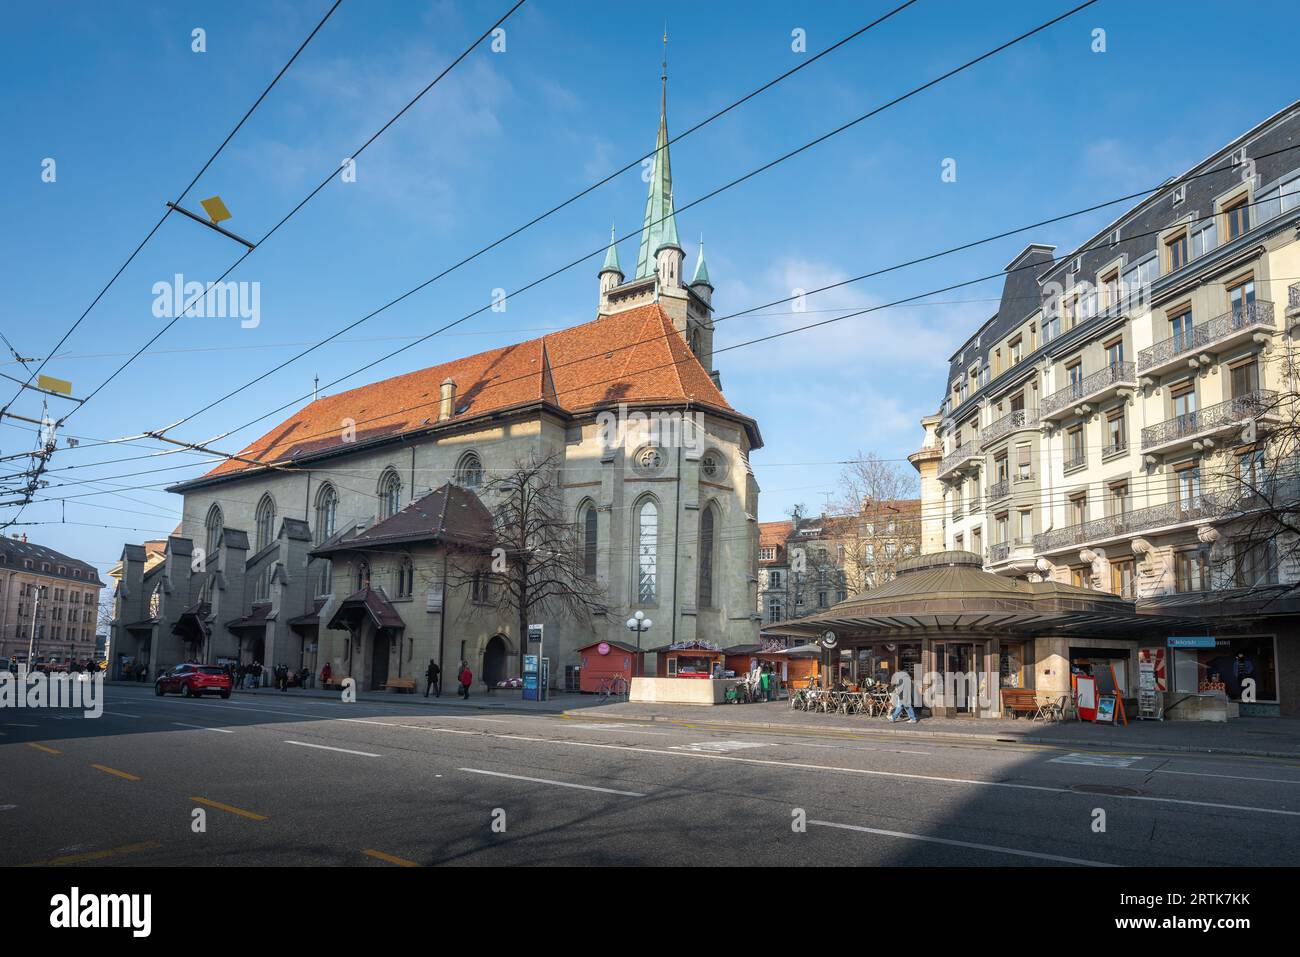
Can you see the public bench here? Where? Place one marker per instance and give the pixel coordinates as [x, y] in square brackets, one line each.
[400, 685]
[1019, 701]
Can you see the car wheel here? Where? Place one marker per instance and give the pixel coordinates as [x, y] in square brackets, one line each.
[189, 691]
[225, 694]
[158, 689]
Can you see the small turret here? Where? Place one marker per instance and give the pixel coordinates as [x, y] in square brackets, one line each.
[611, 274]
[700, 284]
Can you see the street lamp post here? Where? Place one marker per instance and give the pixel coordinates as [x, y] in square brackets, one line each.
[640, 624]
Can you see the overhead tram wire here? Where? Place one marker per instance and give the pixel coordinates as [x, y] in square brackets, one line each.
[707, 196]
[274, 229]
[894, 304]
[556, 208]
[852, 314]
[167, 212]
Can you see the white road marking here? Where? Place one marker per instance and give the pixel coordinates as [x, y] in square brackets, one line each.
[121, 714]
[560, 784]
[718, 747]
[200, 727]
[7, 807]
[620, 726]
[325, 747]
[853, 747]
[979, 847]
[1097, 760]
[15, 724]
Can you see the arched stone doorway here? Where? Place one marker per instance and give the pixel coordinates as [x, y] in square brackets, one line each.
[495, 656]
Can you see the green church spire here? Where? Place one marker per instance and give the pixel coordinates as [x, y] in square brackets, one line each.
[701, 270]
[660, 225]
[611, 256]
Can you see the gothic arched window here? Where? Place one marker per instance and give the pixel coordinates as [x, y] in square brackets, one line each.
[390, 494]
[647, 552]
[588, 529]
[363, 574]
[327, 504]
[469, 471]
[265, 522]
[213, 526]
[406, 579]
[705, 551]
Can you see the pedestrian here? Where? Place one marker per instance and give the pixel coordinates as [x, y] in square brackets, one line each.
[304, 677]
[282, 677]
[901, 691]
[142, 672]
[326, 674]
[466, 678]
[431, 675]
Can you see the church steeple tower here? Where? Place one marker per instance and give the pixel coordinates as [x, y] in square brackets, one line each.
[611, 274]
[660, 251]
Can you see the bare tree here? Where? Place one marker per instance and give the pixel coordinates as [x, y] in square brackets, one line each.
[535, 569]
[878, 519]
[1250, 495]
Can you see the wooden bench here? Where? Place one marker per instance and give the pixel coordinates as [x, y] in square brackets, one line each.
[400, 685]
[1019, 701]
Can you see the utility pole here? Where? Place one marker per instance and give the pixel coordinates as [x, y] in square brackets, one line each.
[31, 642]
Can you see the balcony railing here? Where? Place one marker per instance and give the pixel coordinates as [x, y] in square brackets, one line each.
[1293, 297]
[1257, 313]
[999, 490]
[1209, 419]
[1011, 422]
[1114, 448]
[1076, 461]
[1113, 374]
[999, 552]
[1199, 508]
[958, 455]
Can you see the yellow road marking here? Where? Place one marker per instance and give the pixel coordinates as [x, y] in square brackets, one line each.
[99, 855]
[41, 747]
[391, 859]
[231, 808]
[121, 774]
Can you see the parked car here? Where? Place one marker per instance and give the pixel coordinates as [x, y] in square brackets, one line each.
[193, 681]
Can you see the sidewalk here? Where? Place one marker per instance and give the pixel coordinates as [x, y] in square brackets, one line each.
[498, 700]
[1259, 737]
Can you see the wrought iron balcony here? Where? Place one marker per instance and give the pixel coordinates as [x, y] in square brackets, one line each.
[1076, 461]
[1213, 418]
[1293, 300]
[1011, 422]
[957, 458]
[1096, 386]
[999, 552]
[999, 490]
[1197, 509]
[1219, 331]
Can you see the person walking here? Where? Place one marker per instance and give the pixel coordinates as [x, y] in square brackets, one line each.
[431, 675]
[901, 691]
[466, 679]
[326, 673]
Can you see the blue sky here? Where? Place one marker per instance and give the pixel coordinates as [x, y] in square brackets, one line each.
[115, 95]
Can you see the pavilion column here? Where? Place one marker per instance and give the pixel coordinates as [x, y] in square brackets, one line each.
[1051, 666]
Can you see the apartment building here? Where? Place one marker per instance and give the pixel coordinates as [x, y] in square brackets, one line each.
[1114, 425]
[810, 563]
[48, 601]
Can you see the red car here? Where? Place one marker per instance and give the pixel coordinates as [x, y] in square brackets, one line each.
[193, 681]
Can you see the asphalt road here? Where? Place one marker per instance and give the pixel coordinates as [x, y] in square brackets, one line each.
[310, 781]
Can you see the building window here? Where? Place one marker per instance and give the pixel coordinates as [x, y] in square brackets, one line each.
[647, 561]
[469, 471]
[710, 465]
[406, 579]
[1188, 479]
[363, 574]
[1074, 450]
[327, 503]
[1079, 509]
[767, 554]
[590, 529]
[1204, 238]
[326, 580]
[1025, 535]
[1236, 218]
[1116, 433]
[1081, 577]
[213, 526]
[773, 610]
[649, 459]
[774, 579]
[1176, 250]
[1115, 354]
[265, 522]
[390, 494]
[1117, 499]
[1122, 579]
[705, 547]
[1192, 570]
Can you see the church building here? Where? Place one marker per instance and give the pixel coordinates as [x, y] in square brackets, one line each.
[330, 539]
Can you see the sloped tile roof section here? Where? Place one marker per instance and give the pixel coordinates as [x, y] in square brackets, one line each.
[449, 514]
[17, 553]
[366, 603]
[636, 356]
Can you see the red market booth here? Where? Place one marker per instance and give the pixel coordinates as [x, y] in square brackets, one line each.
[688, 659]
[603, 660]
[788, 666]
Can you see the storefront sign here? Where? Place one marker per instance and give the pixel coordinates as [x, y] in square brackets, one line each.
[1196, 641]
[1086, 689]
[1106, 709]
[602, 648]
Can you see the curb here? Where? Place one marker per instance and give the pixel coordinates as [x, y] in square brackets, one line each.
[1012, 737]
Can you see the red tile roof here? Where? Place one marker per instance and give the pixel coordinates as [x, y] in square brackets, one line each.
[773, 533]
[635, 356]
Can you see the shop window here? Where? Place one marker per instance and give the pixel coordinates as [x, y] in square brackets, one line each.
[1239, 667]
